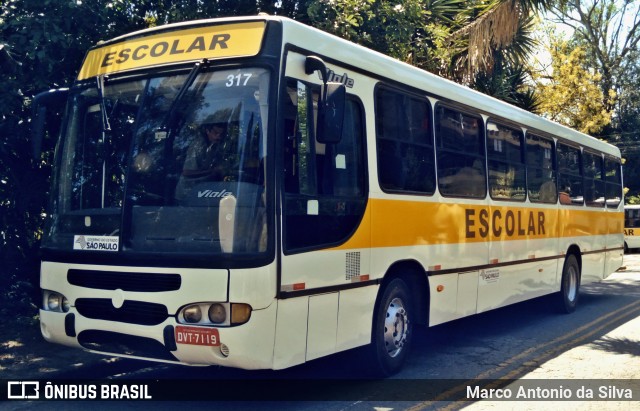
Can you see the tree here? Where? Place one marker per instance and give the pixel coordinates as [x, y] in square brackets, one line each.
[412, 31]
[494, 26]
[435, 36]
[571, 95]
[509, 78]
[46, 39]
[609, 32]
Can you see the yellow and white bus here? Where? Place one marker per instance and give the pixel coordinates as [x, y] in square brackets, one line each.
[352, 197]
[631, 227]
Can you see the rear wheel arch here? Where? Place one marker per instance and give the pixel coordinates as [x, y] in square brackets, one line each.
[400, 305]
[415, 276]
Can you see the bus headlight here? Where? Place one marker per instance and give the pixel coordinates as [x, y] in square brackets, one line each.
[192, 314]
[217, 313]
[53, 301]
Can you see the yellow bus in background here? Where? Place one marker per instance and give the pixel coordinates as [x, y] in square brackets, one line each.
[353, 198]
[631, 227]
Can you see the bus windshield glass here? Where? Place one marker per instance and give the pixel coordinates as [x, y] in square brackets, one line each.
[171, 164]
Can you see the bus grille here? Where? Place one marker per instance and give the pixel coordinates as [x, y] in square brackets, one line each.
[117, 343]
[113, 280]
[132, 312]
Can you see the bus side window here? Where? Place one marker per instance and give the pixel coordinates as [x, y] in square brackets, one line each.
[404, 142]
[460, 153]
[541, 173]
[325, 184]
[593, 179]
[613, 182]
[570, 175]
[506, 162]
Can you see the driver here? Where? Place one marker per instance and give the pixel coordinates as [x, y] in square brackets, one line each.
[206, 155]
[207, 158]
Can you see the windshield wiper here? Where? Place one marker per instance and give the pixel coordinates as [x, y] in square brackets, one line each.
[103, 108]
[106, 130]
[171, 117]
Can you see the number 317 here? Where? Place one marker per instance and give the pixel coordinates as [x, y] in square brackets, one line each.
[238, 80]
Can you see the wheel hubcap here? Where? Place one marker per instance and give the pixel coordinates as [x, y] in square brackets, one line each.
[396, 327]
[572, 284]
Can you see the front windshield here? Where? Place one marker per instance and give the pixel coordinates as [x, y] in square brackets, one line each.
[164, 164]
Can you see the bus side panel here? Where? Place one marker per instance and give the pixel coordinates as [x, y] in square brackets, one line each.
[467, 301]
[256, 286]
[587, 230]
[502, 286]
[323, 325]
[291, 332]
[355, 317]
[453, 296]
[443, 298]
[520, 256]
[615, 241]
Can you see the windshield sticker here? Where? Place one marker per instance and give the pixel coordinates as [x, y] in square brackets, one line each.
[95, 243]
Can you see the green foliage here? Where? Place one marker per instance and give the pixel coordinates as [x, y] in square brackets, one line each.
[47, 38]
[572, 96]
[508, 82]
[632, 199]
[608, 31]
[408, 30]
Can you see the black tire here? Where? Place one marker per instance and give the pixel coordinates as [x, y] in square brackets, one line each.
[392, 330]
[570, 287]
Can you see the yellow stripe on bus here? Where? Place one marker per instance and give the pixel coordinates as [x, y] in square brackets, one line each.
[231, 40]
[393, 223]
[632, 232]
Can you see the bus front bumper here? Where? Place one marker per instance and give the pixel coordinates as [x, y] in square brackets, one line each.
[248, 346]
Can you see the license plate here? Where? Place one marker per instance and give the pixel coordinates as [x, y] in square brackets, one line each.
[197, 336]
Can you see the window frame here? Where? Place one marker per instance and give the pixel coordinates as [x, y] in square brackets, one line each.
[289, 249]
[561, 174]
[482, 156]
[554, 166]
[430, 145]
[607, 181]
[586, 178]
[490, 158]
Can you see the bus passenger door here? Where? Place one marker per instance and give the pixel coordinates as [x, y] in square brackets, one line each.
[325, 233]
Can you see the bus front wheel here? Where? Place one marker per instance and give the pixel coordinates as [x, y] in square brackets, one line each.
[570, 287]
[392, 329]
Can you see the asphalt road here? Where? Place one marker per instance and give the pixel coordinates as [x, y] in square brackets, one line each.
[526, 344]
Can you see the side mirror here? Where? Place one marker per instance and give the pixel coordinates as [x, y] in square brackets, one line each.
[44, 104]
[331, 105]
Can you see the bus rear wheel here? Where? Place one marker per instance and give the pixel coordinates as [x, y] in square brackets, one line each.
[392, 329]
[570, 287]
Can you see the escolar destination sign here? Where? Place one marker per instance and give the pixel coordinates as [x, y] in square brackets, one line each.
[229, 40]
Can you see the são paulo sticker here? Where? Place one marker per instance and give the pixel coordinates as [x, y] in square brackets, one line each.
[95, 243]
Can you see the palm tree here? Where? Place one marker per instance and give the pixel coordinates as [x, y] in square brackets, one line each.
[497, 25]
